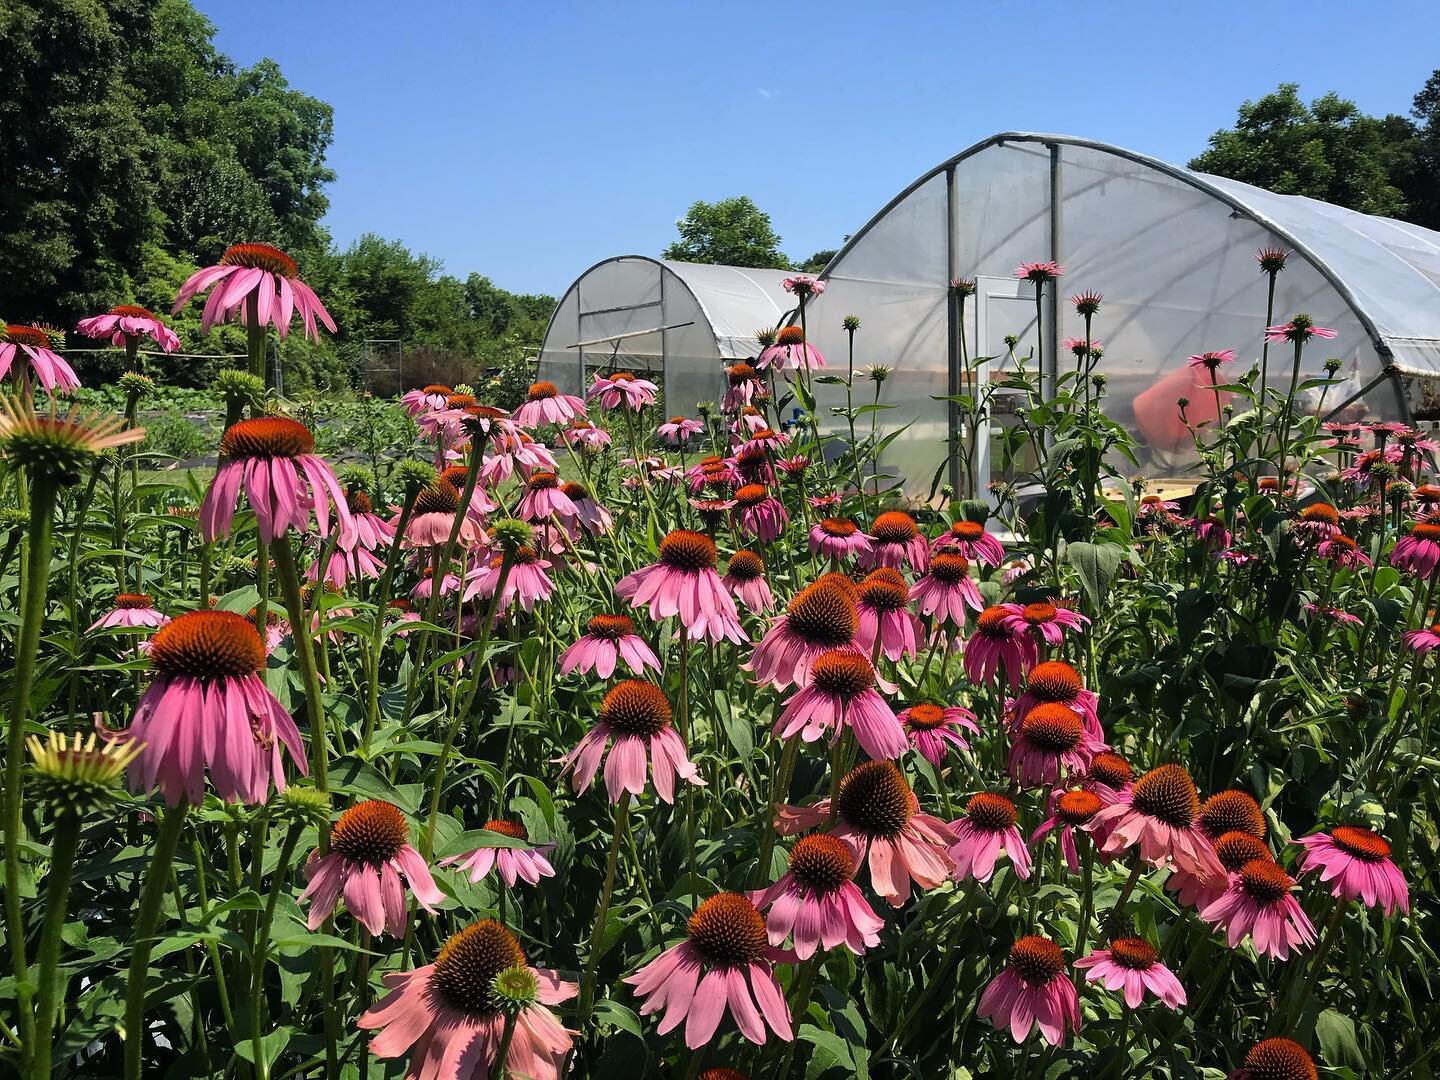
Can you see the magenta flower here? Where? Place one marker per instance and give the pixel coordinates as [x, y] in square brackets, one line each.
[586, 434]
[837, 538]
[1033, 991]
[1158, 813]
[1211, 532]
[1418, 551]
[607, 640]
[527, 864]
[724, 964]
[636, 716]
[370, 852]
[262, 285]
[622, 388]
[678, 429]
[947, 590]
[1069, 810]
[759, 514]
[1423, 640]
[1258, 901]
[841, 692]
[1358, 862]
[207, 710]
[284, 481]
[816, 900]
[934, 731]
[132, 611]
[425, 587]
[1001, 640]
[1342, 552]
[895, 541]
[589, 515]
[986, 829]
[970, 539]
[1039, 273]
[741, 385]
[1299, 329]
[126, 324]
[447, 1012]
[791, 352]
[49, 367]
[1050, 621]
[344, 566]
[525, 581]
[425, 399]
[745, 578]
[883, 610]
[1058, 682]
[820, 617]
[543, 497]
[1051, 741]
[684, 583]
[1211, 361]
[1132, 966]
[544, 404]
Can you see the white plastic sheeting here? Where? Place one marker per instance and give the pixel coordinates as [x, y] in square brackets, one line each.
[680, 322]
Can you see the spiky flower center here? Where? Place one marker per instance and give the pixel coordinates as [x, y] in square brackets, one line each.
[842, 528]
[512, 829]
[823, 613]
[1077, 807]
[1110, 769]
[1038, 613]
[1321, 512]
[469, 962]
[439, 389]
[884, 589]
[723, 1073]
[266, 437]
[1235, 849]
[208, 645]
[894, 527]
[260, 257]
[728, 931]
[637, 708]
[542, 481]
[132, 311]
[610, 627]
[623, 377]
[689, 551]
[575, 492]
[949, 569]
[542, 390]
[745, 566]
[1168, 794]
[133, 601]
[925, 716]
[995, 622]
[968, 531]
[437, 498]
[1037, 960]
[1053, 680]
[1133, 953]
[790, 335]
[370, 832]
[359, 503]
[875, 799]
[1051, 727]
[821, 863]
[739, 373]
[454, 475]
[1264, 881]
[1425, 530]
[751, 456]
[752, 495]
[990, 812]
[843, 673]
[1279, 1059]
[1360, 842]
[1231, 811]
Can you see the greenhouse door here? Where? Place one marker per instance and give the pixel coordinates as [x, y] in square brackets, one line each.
[1004, 306]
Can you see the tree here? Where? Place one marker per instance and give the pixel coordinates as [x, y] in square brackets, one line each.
[732, 232]
[1422, 187]
[817, 262]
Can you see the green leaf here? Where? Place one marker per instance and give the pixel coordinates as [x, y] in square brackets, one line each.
[617, 1015]
[271, 1045]
[1096, 564]
[1336, 1033]
[479, 838]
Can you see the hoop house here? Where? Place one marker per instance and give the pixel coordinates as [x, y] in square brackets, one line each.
[1173, 253]
[681, 321]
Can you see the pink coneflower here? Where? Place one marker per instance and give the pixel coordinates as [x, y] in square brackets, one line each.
[344, 566]
[586, 434]
[1069, 810]
[1032, 991]
[726, 940]
[1158, 814]
[1299, 329]
[607, 640]
[480, 503]
[1050, 621]
[1058, 682]
[1276, 1059]
[741, 385]
[1257, 902]
[1039, 272]
[425, 399]
[1418, 551]
[543, 497]
[752, 465]
[1341, 551]
[820, 617]
[825, 501]
[513, 864]
[1316, 522]
[284, 481]
[425, 587]
[791, 352]
[842, 693]
[883, 610]
[433, 515]
[515, 453]
[1050, 741]
[716, 473]
[947, 589]
[1001, 639]
[588, 515]
[1109, 776]
[816, 900]
[371, 530]
[49, 367]
[1131, 965]
[131, 611]
[207, 710]
[1211, 361]
[1358, 862]
[260, 283]
[765, 442]
[678, 429]
[684, 583]
[622, 388]
[759, 514]
[1234, 849]
[934, 730]
[1080, 348]
[370, 852]
[1013, 570]
[878, 818]
[986, 829]
[1423, 640]
[1271, 259]
[1333, 614]
[895, 541]
[803, 286]
[793, 467]
[544, 404]
[1087, 302]
[1211, 532]
[748, 420]
[526, 580]
[449, 1012]
[970, 539]
[126, 324]
[745, 578]
[636, 716]
[837, 538]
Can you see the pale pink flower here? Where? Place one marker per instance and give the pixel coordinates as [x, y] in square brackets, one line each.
[745, 578]
[544, 404]
[1032, 991]
[817, 901]
[678, 430]
[1358, 862]
[259, 283]
[986, 829]
[586, 434]
[622, 388]
[543, 497]
[837, 538]
[803, 286]
[435, 514]
[947, 590]
[635, 716]
[1132, 966]
[895, 541]
[970, 539]
[820, 617]
[1298, 329]
[425, 399]
[588, 516]
[525, 581]
[126, 324]
[49, 367]
[1069, 810]
[841, 692]
[791, 352]
[934, 730]
[758, 513]
[1258, 901]
[607, 640]
[1158, 813]
[684, 583]
[131, 611]
[1418, 551]
[741, 387]
[1039, 272]
[1001, 640]
[883, 610]
[1211, 361]
[527, 863]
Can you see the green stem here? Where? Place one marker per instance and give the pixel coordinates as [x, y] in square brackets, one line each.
[260, 949]
[146, 919]
[592, 959]
[57, 898]
[289, 579]
[497, 1072]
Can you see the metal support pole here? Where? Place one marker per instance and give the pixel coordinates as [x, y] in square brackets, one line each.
[952, 321]
[1057, 199]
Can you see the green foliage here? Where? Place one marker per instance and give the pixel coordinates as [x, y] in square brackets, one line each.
[731, 232]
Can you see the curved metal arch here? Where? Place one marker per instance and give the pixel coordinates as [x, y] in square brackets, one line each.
[1195, 180]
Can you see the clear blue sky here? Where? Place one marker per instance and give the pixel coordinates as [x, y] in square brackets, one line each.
[527, 140]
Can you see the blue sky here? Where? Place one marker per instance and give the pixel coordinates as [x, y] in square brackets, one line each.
[528, 140]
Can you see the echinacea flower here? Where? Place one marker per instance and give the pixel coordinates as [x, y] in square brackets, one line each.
[262, 284]
[1039, 272]
[803, 286]
[741, 385]
[1069, 810]
[837, 538]
[207, 711]
[1109, 775]
[622, 388]
[1316, 522]
[1050, 621]
[758, 513]
[1418, 551]
[1055, 681]
[588, 435]
[126, 324]
[684, 583]
[724, 964]
[1132, 966]
[450, 1013]
[543, 497]
[588, 514]
[817, 901]
[1277, 1058]
[1258, 901]
[1050, 742]
[934, 730]
[425, 399]
[678, 429]
[1423, 640]
[1342, 552]
[607, 640]
[544, 404]
[947, 590]
[1032, 991]
[714, 472]
[76, 775]
[884, 613]
[1211, 361]
[895, 541]
[1158, 814]
[433, 515]
[752, 465]
[513, 864]
[525, 580]
[1211, 532]
[1299, 329]
[745, 578]
[274, 459]
[49, 367]
[790, 352]
[1001, 640]
[820, 617]
[985, 830]
[1271, 259]
[130, 611]
[841, 693]
[970, 539]
[425, 587]
[1087, 302]
[878, 818]
[369, 855]
[1358, 862]
[634, 721]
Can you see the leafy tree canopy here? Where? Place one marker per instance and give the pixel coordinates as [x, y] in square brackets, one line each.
[731, 232]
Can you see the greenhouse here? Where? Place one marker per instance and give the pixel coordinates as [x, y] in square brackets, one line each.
[679, 322]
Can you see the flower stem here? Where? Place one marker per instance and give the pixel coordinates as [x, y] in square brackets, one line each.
[57, 897]
[289, 580]
[156, 880]
[497, 1071]
[592, 959]
[260, 948]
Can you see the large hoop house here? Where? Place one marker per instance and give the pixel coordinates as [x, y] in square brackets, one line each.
[680, 321]
[1173, 253]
